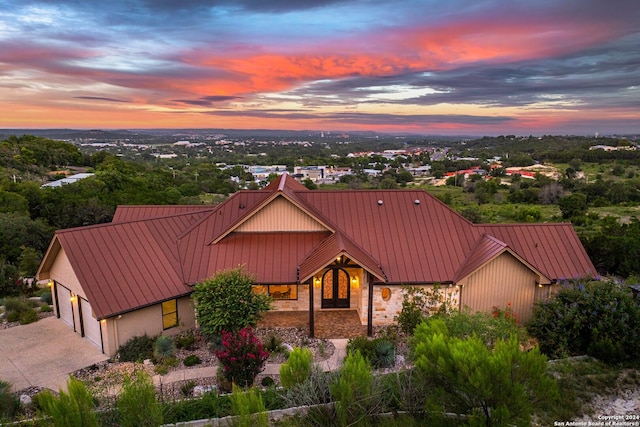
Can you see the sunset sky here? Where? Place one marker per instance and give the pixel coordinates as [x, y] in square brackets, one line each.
[474, 67]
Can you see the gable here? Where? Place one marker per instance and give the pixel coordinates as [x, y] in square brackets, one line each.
[503, 281]
[280, 215]
[553, 249]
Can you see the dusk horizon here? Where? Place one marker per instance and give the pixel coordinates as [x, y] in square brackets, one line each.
[417, 67]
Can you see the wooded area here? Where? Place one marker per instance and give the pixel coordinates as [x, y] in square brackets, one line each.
[599, 191]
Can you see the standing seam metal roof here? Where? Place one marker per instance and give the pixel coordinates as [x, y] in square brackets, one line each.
[400, 236]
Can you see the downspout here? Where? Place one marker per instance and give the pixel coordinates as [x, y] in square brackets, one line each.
[311, 316]
[370, 306]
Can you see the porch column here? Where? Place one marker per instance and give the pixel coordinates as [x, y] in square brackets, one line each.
[370, 305]
[311, 323]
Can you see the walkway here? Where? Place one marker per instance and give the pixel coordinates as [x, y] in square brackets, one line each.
[329, 364]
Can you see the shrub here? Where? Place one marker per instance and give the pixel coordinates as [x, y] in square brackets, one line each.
[297, 367]
[9, 403]
[315, 390]
[28, 316]
[45, 309]
[191, 360]
[242, 356]
[16, 304]
[352, 389]
[185, 340]
[226, 302]
[418, 304]
[408, 391]
[493, 386]
[379, 352]
[385, 353]
[163, 348]
[598, 318]
[46, 298]
[136, 349]
[187, 388]
[137, 404]
[210, 405]
[12, 316]
[161, 369]
[249, 408]
[267, 382]
[488, 327]
[273, 344]
[72, 408]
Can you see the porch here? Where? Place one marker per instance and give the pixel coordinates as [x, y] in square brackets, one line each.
[328, 323]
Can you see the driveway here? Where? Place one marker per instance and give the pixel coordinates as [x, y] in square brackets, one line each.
[43, 354]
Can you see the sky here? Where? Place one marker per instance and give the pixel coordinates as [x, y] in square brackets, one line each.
[456, 67]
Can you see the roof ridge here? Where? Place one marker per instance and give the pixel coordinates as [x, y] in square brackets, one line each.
[527, 224]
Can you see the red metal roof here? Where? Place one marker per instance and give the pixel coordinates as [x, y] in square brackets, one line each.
[554, 249]
[136, 212]
[414, 236]
[400, 236]
[333, 246]
[486, 248]
[123, 266]
[271, 257]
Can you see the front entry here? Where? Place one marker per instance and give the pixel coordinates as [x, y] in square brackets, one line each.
[335, 288]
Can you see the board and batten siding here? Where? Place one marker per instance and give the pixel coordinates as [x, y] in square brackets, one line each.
[504, 280]
[280, 215]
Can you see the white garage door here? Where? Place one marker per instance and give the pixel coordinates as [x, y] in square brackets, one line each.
[65, 309]
[90, 325]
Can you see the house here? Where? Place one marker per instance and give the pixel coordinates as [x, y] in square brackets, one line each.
[310, 250]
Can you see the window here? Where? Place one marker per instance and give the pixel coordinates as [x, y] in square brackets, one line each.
[169, 314]
[277, 292]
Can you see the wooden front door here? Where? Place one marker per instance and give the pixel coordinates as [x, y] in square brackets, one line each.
[335, 289]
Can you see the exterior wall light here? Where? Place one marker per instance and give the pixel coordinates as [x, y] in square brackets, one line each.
[72, 298]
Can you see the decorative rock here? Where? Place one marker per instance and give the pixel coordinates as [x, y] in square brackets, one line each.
[147, 362]
[199, 390]
[287, 347]
[25, 400]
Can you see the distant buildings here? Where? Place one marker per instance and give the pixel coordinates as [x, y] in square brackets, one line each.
[68, 180]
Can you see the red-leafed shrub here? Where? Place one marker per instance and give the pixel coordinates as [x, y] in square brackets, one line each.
[242, 356]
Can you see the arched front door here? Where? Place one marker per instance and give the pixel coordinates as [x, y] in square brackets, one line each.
[335, 288]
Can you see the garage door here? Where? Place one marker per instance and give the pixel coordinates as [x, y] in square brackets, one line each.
[90, 326]
[65, 309]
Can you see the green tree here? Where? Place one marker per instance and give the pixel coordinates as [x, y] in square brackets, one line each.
[310, 184]
[496, 386]
[137, 404]
[438, 169]
[297, 368]
[226, 302]
[74, 408]
[352, 390]
[599, 318]
[574, 205]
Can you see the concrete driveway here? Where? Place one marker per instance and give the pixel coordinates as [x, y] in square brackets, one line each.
[43, 354]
